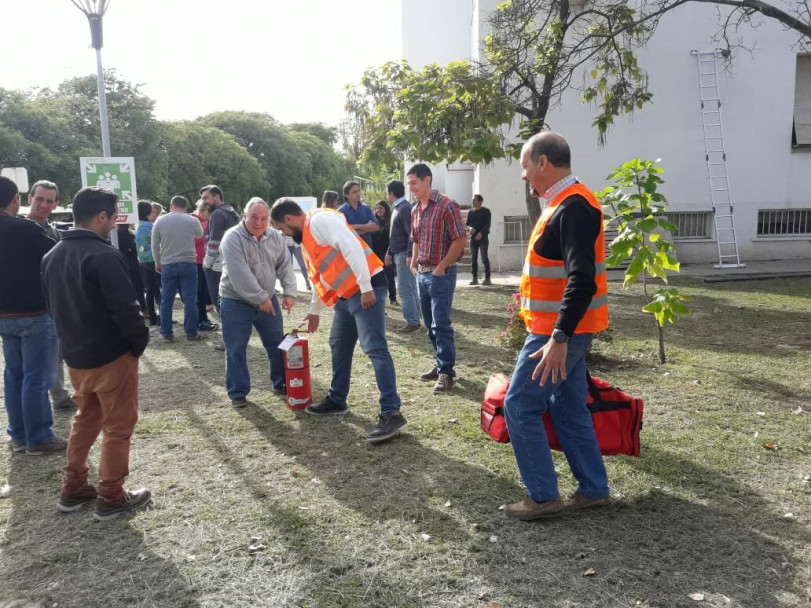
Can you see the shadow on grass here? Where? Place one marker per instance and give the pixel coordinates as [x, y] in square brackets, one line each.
[656, 548]
[68, 559]
[716, 325]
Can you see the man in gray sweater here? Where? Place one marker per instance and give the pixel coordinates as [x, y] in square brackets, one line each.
[176, 261]
[254, 257]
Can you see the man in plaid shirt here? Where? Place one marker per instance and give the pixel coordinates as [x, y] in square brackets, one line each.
[438, 234]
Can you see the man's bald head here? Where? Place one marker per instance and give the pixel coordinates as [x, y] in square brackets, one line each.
[553, 146]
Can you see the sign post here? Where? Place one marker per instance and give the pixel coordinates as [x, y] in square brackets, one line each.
[118, 175]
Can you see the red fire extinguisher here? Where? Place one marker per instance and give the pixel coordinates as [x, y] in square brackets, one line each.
[297, 373]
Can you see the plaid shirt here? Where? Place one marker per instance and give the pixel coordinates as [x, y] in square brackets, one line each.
[435, 227]
[559, 186]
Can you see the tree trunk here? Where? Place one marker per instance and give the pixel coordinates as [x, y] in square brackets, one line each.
[661, 343]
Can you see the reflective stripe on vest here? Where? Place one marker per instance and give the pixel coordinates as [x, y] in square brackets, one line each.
[330, 274]
[543, 281]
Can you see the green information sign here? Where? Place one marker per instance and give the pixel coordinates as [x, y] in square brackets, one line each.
[116, 174]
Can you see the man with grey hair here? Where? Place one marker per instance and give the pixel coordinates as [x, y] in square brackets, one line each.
[42, 200]
[563, 304]
[176, 261]
[254, 257]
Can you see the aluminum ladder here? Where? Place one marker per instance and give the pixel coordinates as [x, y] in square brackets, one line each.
[716, 158]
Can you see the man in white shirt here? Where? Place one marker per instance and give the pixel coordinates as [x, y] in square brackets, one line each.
[346, 274]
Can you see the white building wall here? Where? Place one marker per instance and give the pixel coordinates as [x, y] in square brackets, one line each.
[757, 94]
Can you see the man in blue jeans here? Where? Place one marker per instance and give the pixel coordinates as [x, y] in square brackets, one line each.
[439, 238]
[346, 274]
[563, 304]
[176, 261]
[254, 257]
[400, 255]
[30, 345]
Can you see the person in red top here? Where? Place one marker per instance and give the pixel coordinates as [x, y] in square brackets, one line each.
[202, 214]
[439, 237]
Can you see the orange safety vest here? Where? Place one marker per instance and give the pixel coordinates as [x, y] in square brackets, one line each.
[543, 281]
[330, 274]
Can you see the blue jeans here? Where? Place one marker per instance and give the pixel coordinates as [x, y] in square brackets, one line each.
[407, 286]
[436, 299]
[238, 319]
[179, 276]
[350, 323]
[30, 349]
[524, 404]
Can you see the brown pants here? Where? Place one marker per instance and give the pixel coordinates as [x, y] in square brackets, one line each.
[108, 401]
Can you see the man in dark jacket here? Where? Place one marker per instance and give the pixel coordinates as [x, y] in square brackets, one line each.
[29, 336]
[42, 200]
[223, 217]
[103, 334]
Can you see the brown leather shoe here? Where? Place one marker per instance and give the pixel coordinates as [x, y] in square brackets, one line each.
[407, 329]
[527, 509]
[431, 374]
[70, 502]
[108, 509]
[577, 502]
[444, 383]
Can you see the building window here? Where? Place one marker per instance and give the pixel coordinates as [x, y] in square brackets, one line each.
[691, 224]
[784, 222]
[516, 229]
[801, 133]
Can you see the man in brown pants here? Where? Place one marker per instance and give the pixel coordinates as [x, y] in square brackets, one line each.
[103, 334]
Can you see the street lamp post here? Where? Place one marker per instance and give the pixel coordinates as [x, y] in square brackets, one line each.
[94, 11]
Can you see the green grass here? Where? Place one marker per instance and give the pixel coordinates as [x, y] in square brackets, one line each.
[416, 521]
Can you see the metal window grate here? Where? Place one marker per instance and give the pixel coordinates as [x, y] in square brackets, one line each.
[516, 228]
[691, 224]
[783, 222]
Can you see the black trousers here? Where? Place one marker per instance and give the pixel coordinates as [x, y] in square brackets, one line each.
[475, 248]
[152, 283]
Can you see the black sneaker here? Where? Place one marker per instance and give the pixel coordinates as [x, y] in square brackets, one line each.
[169, 338]
[239, 402]
[68, 503]
[65, 404]
[194, 337]
[388, 426]
[327, 407]
[108, 509]
[208, 326]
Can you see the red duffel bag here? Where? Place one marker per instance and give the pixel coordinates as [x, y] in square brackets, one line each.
[617, 416]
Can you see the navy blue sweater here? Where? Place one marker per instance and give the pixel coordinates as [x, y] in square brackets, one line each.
[22, 246]
[92, 300]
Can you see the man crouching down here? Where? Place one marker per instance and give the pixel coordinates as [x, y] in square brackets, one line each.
[346, 274]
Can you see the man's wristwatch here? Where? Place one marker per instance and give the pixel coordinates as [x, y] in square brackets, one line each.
[559, 336]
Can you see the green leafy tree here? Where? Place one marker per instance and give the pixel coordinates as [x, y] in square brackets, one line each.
[133, 128]
[196, 155]
[436, 114]
[637, 209]
[297, 163]
[329, 135]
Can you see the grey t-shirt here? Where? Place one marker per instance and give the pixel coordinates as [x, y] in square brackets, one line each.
[173, 238]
